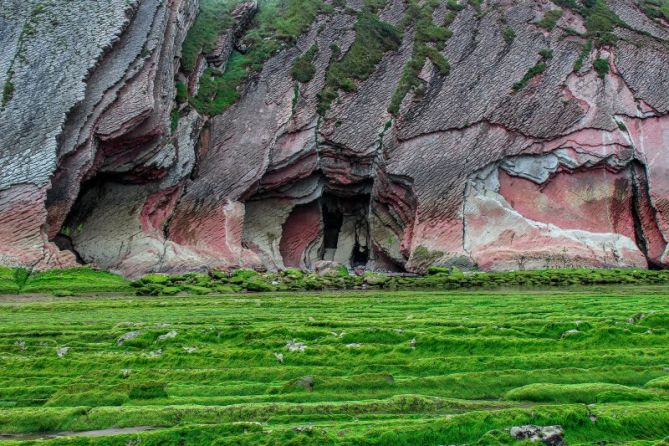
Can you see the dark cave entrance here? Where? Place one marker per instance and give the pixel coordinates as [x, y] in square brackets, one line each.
[345, 228]
[334, 225]
[360, 255]
[84, 204]
[70, 218]
[332, 221]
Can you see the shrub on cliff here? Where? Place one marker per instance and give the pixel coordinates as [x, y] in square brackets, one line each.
[550, 19]
[212, 20]
[303, 69]
[656, 9]
[601, 66]
[509, 34]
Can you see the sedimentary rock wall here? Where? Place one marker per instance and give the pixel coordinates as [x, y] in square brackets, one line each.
[88, 88]
[530, 136]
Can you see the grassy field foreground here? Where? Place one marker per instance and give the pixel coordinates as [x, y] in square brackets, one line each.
[374, 368]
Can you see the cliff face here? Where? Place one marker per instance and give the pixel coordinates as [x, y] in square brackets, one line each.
[500, 134]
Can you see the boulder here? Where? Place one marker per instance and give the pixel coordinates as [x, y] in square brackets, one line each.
[548, 435]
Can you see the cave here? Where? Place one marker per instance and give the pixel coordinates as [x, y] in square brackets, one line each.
[333, 227]
[70, 223]
[345, 229]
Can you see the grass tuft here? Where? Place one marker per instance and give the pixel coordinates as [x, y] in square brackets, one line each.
[303, 69]
[550, 19]
[601, 66]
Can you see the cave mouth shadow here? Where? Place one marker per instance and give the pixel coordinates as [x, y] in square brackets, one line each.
[345, 228]
[88, 196]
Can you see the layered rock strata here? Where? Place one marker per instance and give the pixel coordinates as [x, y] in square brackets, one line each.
[568, 169]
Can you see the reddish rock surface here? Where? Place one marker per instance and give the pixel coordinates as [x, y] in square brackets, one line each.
[300, 231]
[595, 200]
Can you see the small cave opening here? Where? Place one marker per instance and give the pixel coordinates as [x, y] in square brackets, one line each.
[87, 199]
[345, 228]
[286, 230]
[360, 255]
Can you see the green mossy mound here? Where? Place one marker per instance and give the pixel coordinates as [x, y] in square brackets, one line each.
[587, 393]
[440, 278]
[62, 282]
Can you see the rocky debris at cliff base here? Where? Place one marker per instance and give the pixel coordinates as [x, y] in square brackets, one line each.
[245, 280]
[323, 267]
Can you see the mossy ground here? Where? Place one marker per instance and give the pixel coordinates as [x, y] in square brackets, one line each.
[377, 368]
[60, 282]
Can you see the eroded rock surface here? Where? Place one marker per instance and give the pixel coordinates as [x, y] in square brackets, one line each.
[570, 169]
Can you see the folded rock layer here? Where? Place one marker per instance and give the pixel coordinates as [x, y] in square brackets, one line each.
[496, 140]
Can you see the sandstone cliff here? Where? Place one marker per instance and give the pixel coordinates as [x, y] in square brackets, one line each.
[393, 134]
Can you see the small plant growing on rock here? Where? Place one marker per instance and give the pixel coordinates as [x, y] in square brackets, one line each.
[550, 19]
[601, 66]
[585, 51]
[546, 53]
[303, 69]
[7, 92]
[454, 5]
[536, 70]
[509, 34]
[182, 92]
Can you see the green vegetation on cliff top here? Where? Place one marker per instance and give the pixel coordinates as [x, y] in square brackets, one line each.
[373, 37]
[279, 23]
[213, 19]
[600, 20]
[375, 368]
[550, 19]
[657, 9]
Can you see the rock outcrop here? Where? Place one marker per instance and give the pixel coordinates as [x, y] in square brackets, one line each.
[519, 143]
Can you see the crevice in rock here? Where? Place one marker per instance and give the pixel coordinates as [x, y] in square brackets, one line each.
[648, 236]
[64, 243]
[332, 222]
[201, 148]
